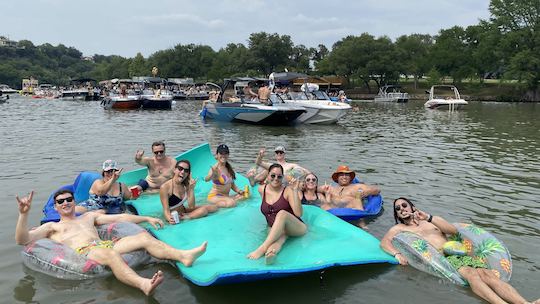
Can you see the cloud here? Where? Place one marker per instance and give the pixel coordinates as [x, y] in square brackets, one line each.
[181, 20]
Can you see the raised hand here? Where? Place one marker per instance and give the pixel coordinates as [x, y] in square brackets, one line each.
[25, 202]
[325, 188]
[295, 184]
[192, 183]
[421, 215]
[251, 173]
[260, 156]
[117, 173]
[139, 154]
[215, 172]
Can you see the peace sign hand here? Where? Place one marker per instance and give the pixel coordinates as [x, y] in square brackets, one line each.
[215, 172]
[117, 173]
[192, 183]
[260, 156]
[295, 184]
[25, 202]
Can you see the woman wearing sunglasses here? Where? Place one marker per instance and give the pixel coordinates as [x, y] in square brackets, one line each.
[222, 176]
[176, 191]
[106, 195]
[312, 194]
[282, 209]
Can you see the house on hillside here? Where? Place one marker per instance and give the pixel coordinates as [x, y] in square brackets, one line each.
[5, 42]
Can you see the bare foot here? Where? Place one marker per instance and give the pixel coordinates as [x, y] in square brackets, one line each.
[256, 254]
[189, 256]
[149, 285]
[270, 257]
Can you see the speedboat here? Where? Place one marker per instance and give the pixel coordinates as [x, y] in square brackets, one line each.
[5, 89]
[445, 97]
[159, 100]
[252, 113]
[320, 109]
[391, 93]
[121, 102]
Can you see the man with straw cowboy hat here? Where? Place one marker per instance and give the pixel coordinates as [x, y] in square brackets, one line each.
[348, 195]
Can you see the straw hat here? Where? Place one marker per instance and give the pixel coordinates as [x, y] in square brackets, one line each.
[343, 169]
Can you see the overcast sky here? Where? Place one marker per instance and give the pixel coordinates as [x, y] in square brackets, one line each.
[120, 27]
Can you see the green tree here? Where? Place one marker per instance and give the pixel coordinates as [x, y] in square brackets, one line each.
[138, 66]
[519, 24]
[413, 53]
[451, 54]
[269, 52]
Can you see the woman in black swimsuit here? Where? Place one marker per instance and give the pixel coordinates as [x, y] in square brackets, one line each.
[312, 194]
[282, 209]
[181, 188]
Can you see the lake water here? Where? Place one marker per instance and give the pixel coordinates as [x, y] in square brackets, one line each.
[478, 165]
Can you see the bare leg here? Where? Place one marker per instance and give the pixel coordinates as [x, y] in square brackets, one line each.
[503, 289]
[285, 224]
[479, 287]
[273, 250]
[158, 249]
[223, 201]
[123, 272]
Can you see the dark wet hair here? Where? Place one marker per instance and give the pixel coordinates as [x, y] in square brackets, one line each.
[275, 166]
[62, 191]
[188, 178]
[157, 144]
[396, 218]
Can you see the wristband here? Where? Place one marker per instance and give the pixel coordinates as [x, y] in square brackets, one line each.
[430, 218]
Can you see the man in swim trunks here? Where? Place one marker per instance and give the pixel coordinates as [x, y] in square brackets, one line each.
[80, 234]
[348, 195]
[264, 95]
[291, 170]
[434, 229]
[160, 167]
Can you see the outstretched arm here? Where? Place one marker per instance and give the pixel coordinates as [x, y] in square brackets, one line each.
[22, 235]
[101, 219]
[294, 197]
[139, 159]
[386, 245]
[368, 190]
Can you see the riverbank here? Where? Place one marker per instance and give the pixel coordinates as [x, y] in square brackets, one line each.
[489, 90]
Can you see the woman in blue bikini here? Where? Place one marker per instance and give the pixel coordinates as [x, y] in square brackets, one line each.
[176, 191]
[222, 176]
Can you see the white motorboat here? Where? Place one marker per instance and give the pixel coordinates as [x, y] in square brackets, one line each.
[5, 89]
[445, 97]
[319, 108]
[391, 93]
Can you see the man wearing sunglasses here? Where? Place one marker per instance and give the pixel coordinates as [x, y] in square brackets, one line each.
[434, 229]
[80, 234]
[160, 167]
[291, 170]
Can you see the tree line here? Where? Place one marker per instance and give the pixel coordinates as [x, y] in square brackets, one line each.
[507, 46]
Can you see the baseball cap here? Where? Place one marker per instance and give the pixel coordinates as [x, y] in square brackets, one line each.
[279, 148]
[222, 149]
[109, 165]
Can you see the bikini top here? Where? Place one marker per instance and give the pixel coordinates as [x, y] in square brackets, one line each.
[223, 179]
[175, 201]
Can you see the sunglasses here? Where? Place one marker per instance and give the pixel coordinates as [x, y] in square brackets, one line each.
[403, 205]
[180, 168]
[110, 171]
[60, 201]
[311, 180]
[280, 152]
[159, 152]
[274, 176]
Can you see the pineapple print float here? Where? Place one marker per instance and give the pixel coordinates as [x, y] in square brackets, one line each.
[422, 247]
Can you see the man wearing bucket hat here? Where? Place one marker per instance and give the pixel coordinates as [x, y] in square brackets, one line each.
[348, 195]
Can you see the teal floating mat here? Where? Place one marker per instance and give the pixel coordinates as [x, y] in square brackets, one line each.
[235, 232]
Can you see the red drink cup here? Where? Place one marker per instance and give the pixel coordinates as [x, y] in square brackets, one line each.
[135, 192]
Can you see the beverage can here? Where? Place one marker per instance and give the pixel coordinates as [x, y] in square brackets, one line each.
[175, 216]
[246, 191]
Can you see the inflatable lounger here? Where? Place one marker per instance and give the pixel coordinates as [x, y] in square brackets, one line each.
[372, 207]
[478, 243]
[60, 261]
[80, 188]
[235, 232]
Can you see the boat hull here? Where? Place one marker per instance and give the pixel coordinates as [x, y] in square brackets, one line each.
[156, 103]
[252, 114]
[129, 103]
[321, 112]
[445, 104]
